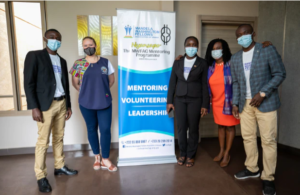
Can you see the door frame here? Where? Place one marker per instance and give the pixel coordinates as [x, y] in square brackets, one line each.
[208, 19]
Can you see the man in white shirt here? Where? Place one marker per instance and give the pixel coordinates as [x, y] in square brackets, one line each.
[257, 73]
[46, 86]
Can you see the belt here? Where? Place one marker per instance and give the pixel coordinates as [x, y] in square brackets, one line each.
[59, 98]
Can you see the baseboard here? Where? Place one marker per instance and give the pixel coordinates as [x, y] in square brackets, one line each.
[67, 148]
[115, 145]
[288, 149]
[284, 148]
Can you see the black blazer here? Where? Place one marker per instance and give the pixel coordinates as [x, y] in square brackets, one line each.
[39, 80]
[194, 86]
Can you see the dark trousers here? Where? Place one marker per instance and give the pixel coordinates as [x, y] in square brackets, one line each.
[93, 118]
[187, 111]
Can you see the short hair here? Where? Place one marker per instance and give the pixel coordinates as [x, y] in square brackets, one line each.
[226, 51]
[52, 29]
[246, 25]
[91, 38]
[192, 37]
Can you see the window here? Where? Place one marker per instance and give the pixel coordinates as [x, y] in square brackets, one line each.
[21, 30]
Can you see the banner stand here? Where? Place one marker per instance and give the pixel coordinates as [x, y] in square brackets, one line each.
[146, 53]
[147, 160]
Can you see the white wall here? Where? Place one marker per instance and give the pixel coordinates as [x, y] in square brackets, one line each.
[17, 132]
[187, 12]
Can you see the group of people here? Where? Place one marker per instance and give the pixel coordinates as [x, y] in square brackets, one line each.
[243, 88]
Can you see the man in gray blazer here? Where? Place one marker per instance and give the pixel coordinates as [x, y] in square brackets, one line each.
[257, 73]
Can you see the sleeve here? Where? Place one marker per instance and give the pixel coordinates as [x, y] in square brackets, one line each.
[67, 86]
[30, 75]
[277, 71]
[111, 69]
[74, 71]
[172, 85]
[205, 94]
[235, 84]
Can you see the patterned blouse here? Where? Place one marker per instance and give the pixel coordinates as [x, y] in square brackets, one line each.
[78, 69]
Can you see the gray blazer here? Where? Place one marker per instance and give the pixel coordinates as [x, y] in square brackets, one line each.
[266, 74]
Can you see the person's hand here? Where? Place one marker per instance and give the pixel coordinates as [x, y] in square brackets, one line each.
[256, 100]
[178, 57]
[68, 114]
[235, 112]
[169, 107]
[37, 115]
[266, 44]
[203, 112]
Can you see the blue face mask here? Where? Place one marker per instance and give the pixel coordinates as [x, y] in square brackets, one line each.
[53, 44]
[217, 54]
[191, 51]
[245, 40]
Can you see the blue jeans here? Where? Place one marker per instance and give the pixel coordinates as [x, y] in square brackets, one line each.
[93, 118]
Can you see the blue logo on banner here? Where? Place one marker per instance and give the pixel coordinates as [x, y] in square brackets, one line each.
[128, 31]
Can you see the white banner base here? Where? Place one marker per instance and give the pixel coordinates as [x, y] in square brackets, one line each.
[147, 160]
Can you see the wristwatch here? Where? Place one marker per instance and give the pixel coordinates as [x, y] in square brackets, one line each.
[262, 94]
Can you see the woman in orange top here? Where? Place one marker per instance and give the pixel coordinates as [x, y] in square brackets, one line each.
[220, 87]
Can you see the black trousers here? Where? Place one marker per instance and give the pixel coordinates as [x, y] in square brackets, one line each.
[188, 114]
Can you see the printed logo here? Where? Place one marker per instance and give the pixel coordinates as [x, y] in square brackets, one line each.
[104, 70]
[56, 69]
[247, 66]
[128, 31]
[165, 34]
[187, 69]
[107, 95]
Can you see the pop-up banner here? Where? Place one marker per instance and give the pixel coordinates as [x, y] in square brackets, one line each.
[146, 52]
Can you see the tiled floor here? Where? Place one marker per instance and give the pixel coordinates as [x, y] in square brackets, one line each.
[205, 178]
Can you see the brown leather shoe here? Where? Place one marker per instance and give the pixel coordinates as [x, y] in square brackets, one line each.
[224, 164]
[219, 158]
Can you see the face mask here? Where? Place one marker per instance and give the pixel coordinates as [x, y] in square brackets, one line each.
[217, 54]
[191, 51]
[245, 40]
[90, 51]
[53, 44]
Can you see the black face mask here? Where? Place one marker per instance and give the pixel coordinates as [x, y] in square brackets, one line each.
[90, 51]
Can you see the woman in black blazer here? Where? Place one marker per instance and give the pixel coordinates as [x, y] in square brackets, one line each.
[189, 84]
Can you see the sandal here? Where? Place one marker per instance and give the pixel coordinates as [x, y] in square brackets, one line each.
[97, 164]
[190, 162]
[181, 160]
[108, 166]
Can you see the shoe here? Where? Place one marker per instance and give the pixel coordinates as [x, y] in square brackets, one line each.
[65, 170]
[246, 174]
[97, 164]
[219, 158]
[224, 164]
[269, 188]
[107, 165]
[44, 185]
